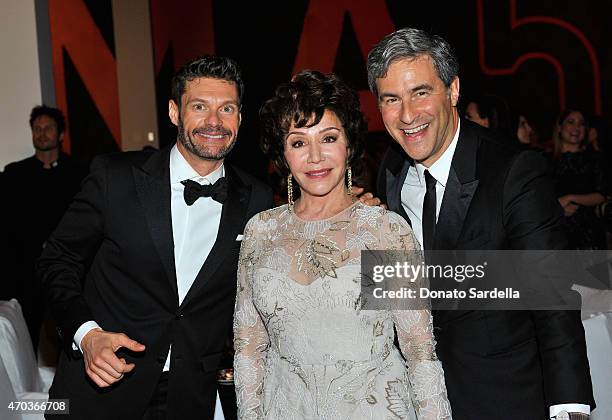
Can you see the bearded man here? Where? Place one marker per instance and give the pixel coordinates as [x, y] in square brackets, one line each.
[141, 272]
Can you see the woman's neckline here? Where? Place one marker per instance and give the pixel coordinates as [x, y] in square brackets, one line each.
[355, 203]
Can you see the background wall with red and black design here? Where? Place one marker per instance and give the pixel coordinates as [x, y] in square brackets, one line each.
[85, 75]
[540, 55]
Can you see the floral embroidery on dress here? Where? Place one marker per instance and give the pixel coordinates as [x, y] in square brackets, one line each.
[316, 257]
[395, 394]
[369, 216]
[304, 347]
[360, 240]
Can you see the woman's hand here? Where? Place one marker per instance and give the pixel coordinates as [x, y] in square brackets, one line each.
[566, 200]
[570, 209]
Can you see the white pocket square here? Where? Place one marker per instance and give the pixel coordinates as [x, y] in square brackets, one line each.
[239, 237]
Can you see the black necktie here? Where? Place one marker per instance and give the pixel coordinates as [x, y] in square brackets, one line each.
[429, 212]
[193, 191]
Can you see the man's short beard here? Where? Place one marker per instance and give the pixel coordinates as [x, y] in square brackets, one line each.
[46, 148]
[200, 151]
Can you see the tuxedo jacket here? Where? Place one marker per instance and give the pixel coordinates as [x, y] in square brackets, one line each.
[499, 364]
[111, 260]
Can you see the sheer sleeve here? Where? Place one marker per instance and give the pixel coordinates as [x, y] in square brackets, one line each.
[415, 335]
[250, 335]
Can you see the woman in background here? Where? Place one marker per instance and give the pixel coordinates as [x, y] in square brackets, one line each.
[580, 181]
[525, 134]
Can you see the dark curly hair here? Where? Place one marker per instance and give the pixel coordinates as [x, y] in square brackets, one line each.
[303, 102]
[215, 67]
[53, 113]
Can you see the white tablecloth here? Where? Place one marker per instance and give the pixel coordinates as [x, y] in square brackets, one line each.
[598, 330]
[597, 321]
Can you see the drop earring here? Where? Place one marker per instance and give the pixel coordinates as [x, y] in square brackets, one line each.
[290, 190]
[349, 180]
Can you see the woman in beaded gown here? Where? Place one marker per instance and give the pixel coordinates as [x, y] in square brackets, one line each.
[304, 348]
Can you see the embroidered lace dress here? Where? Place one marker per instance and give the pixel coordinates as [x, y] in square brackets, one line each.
[304, 348]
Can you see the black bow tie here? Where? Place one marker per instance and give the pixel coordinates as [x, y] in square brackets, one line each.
[193, 191]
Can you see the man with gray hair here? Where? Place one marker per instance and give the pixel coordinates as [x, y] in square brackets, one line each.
[462, 189]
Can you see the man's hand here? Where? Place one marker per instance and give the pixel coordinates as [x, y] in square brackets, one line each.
[367, 198]
[101, 363]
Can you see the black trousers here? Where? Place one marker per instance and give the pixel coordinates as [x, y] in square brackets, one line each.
[158, 407]
[159, 403]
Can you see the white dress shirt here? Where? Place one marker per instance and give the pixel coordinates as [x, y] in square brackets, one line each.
[194, 231]
[414, 188]
[412, 196]
[195, 227]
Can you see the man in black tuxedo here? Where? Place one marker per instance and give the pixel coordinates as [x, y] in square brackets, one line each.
[461, 189]
[37, 191]
[141, 271]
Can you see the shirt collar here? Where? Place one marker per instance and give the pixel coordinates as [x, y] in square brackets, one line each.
[441, 167]
[53, 164]
[181, 170]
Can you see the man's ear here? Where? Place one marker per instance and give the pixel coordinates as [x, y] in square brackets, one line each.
[61, 137]
[239, 118]
[173, 112]
[454, 91]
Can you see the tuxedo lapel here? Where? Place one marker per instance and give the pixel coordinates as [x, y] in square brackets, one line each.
[152, 182]
[460, 188]
[395, 175]
[232, 221]
[455, 204]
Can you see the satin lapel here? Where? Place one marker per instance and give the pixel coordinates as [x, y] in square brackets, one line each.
[394, 191]
[232, 220]
[395, 177]
[153, 189]
[455, 204]
[459, 191]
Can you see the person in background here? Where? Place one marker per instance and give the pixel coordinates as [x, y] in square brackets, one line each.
[599, 140]
[493, 112]
[37, 191]
[525, 134]
[580, 182]
[490, 111]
